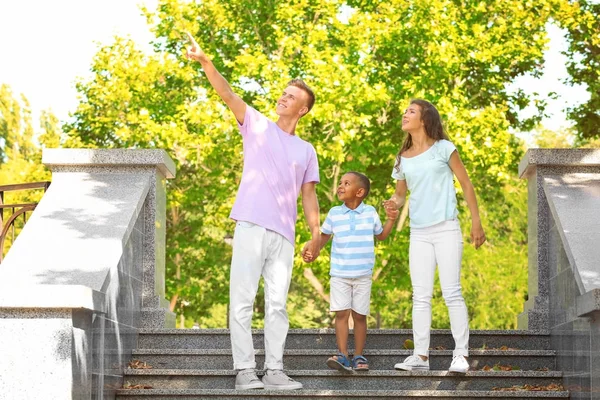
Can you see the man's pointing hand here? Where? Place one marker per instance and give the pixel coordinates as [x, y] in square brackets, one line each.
[194, 52]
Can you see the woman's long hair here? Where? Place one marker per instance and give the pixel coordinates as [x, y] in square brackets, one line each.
[433, 127]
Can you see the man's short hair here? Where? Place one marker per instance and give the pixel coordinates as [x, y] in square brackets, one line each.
[299, 83]
[363, 182]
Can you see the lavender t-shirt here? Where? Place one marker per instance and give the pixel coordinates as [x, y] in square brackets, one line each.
[276, 164]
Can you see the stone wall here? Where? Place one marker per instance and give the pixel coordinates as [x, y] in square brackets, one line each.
[84, 275]
[564, 260]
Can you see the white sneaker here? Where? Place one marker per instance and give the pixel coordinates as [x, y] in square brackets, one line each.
[276, 379]
[247, 379]
[459, 365]
[413, 363]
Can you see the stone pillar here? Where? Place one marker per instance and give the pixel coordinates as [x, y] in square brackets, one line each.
[158, 166]
[84, 275]
[542, 168]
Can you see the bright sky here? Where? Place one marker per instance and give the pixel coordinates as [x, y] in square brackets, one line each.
[555, 73]
[45, 45]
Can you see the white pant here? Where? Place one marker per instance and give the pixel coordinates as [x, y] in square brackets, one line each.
[258, 251]
[440, 245]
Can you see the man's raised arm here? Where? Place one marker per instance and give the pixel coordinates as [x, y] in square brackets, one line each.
[233, 101]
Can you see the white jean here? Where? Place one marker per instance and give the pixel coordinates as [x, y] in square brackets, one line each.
[441, 245]
[258, 252]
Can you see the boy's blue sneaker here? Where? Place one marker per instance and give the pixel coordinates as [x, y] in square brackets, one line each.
[339, 362]
[413, 363]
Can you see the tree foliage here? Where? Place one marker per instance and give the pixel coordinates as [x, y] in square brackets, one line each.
[21, 150]
[365, 60]
[21, 143]
[581, 19]
[16, 131]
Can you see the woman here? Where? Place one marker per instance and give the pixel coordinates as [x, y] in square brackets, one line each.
[426, 165]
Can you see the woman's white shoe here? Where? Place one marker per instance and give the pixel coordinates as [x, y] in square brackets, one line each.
[459, 365]
[413, 363]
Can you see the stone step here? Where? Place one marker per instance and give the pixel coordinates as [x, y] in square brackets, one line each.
[334, 380]
[230, 394]
[325, 339]
[300, 359]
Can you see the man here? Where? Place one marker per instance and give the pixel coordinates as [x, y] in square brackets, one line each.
[277, 167]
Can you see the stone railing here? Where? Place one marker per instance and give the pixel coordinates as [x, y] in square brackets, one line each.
[85, 273]
[564, 259]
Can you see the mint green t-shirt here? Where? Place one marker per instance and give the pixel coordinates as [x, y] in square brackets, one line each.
[431, 184]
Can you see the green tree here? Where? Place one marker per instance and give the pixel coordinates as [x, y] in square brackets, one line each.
[594, 144]
[16, 132]
[20, 144]
[138, 100]
[365, 60]
[548, 139]
[21, 149]
[580, 18]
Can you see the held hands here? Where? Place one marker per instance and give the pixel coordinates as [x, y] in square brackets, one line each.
[311, 251]
[194, 52]
[477, 234]
[392, 214]
[390, 205]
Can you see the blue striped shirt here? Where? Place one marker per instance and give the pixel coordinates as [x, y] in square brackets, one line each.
[353, 248]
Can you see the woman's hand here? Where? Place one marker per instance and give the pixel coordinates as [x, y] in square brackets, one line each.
[477, 234]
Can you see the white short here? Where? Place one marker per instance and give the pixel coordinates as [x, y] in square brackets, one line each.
[351, 293]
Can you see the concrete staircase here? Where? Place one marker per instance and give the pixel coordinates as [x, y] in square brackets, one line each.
[196, 364]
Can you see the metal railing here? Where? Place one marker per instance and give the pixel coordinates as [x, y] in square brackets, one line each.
[15, 210]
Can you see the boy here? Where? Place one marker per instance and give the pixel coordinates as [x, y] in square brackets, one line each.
[353, 226]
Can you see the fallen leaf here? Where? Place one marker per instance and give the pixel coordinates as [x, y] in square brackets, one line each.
[553, 387]
[128, 385]
[505, 348]
[499, 367]
[137, 364]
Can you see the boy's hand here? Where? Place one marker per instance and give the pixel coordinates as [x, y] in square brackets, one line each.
[307, 255]
[194, 52]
